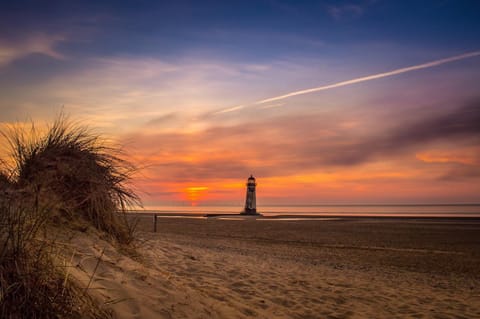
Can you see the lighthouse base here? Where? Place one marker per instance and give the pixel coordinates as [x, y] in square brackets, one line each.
[250, 211]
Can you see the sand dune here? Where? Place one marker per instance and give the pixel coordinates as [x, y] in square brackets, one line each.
[310, 269]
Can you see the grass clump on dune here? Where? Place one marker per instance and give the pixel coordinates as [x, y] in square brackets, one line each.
[62, 178]
[73, 166]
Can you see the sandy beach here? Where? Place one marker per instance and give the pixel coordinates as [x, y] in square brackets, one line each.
[339, 268]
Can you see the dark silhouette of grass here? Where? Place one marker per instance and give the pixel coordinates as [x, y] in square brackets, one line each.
[64, 177]
[4, 181]
[75, 167]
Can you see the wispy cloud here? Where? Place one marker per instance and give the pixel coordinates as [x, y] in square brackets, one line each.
[460, 124]
[163, 119]
[301, 144]
[338, 12]
[140, 90]
[319, 151]
[39, 43]
[350, 9]
[359, 80]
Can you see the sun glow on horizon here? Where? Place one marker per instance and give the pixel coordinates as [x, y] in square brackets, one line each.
[194, 194]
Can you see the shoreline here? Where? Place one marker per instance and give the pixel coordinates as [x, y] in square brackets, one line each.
[319, 216]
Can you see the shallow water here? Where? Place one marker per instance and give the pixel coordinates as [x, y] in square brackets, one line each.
[334, 210]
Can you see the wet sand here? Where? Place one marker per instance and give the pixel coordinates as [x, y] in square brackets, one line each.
[339, 268]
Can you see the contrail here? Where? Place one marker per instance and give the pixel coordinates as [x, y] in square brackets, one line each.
[362, 79]
[231, 109]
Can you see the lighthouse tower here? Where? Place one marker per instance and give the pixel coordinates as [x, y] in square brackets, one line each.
[251, 200]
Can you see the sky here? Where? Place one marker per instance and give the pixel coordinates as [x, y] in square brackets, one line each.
[324, 102]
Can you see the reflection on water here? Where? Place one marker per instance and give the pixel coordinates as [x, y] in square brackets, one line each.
[181, 216]
[295, 218]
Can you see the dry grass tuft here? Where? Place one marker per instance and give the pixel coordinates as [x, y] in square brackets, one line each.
[29, 285]
[67, 175]
[74, 166]
[4, 181]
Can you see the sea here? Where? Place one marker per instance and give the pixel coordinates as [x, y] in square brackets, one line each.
[451, 210]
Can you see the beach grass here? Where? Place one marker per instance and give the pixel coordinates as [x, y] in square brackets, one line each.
[63, 178]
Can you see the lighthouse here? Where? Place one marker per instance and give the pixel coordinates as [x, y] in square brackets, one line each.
[251, 200]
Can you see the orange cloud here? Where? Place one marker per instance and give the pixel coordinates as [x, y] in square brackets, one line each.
[296, 161]
[468, 156]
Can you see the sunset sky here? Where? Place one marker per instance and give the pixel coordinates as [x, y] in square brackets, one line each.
[204, 93]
